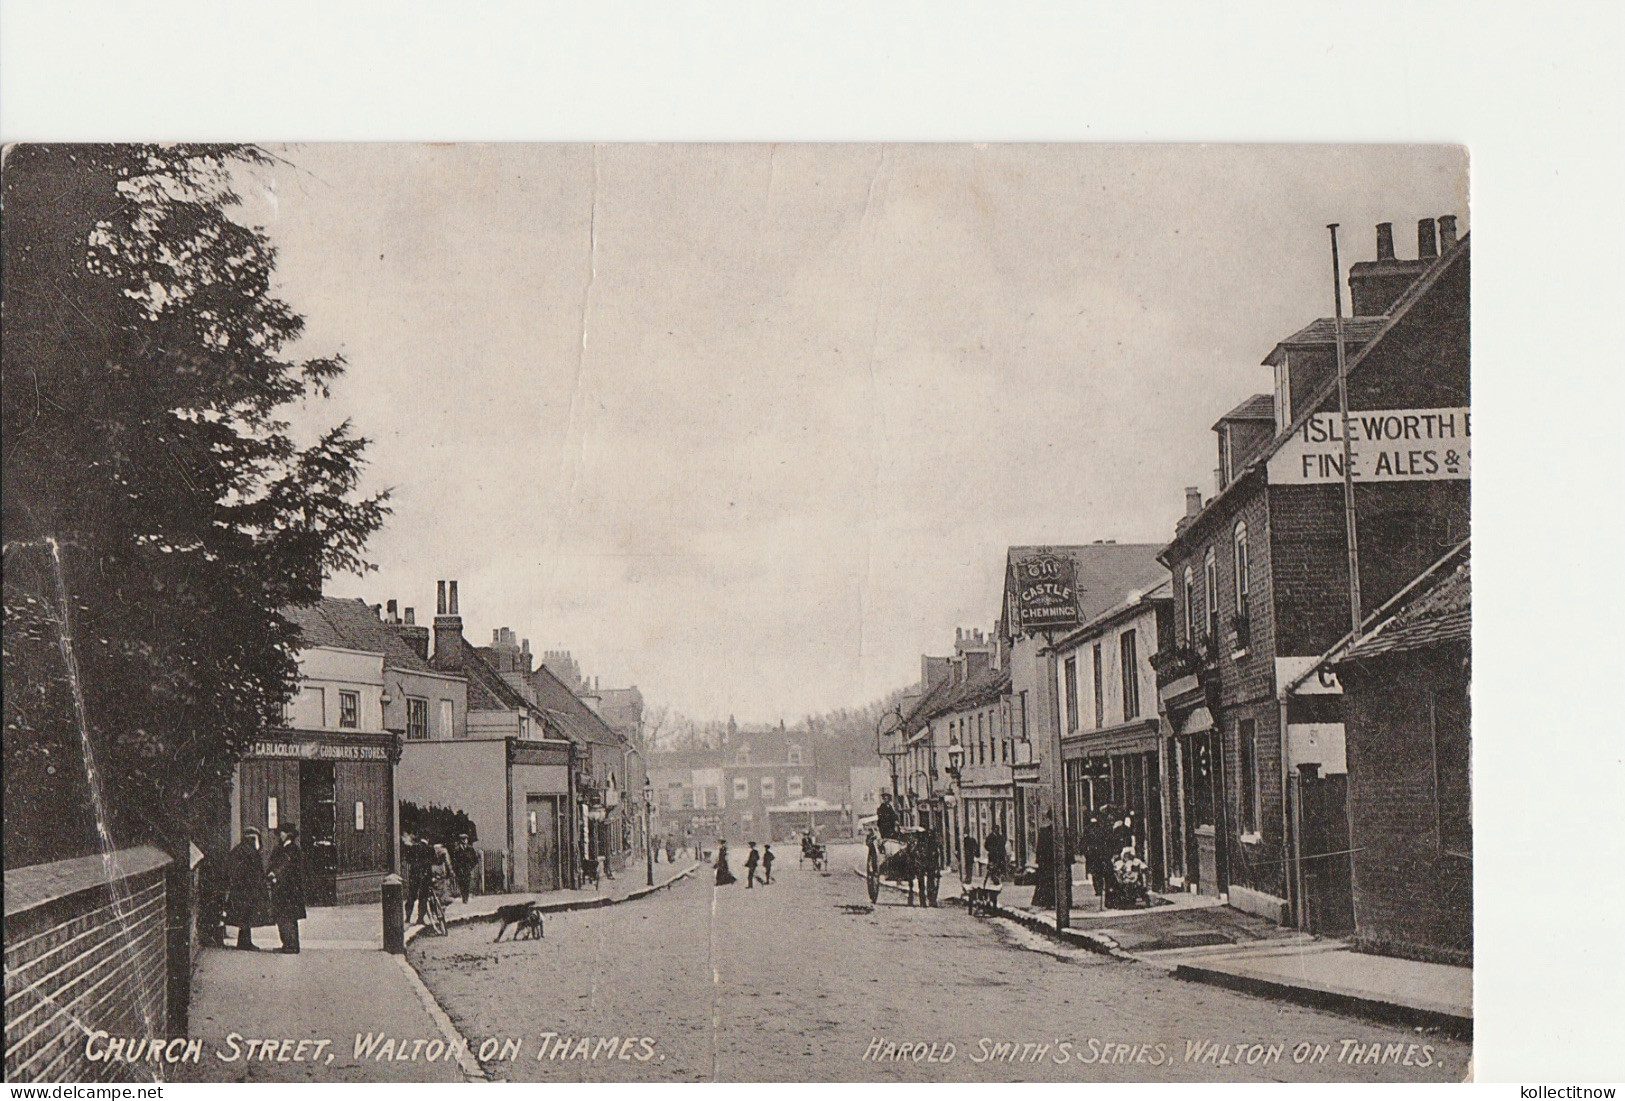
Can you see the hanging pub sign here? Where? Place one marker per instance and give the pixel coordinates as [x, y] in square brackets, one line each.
[1047, 593]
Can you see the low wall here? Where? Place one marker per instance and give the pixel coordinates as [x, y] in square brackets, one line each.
[85, 952]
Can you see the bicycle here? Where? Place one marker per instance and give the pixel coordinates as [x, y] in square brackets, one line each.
[434, 914]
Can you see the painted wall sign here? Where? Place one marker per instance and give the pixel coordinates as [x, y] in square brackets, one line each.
[1046, 593]
[1386, 445]
[319, 751]
[1323, 683]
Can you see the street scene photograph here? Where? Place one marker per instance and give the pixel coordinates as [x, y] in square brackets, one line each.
[884, 612]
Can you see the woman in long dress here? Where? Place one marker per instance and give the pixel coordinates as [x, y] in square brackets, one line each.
[725, 874]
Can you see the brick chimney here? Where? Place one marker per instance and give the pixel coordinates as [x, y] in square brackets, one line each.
[1427, 245]
[1374, 285]
[414, 635]
[448, 625]
[1193, 505]
[1447, 233]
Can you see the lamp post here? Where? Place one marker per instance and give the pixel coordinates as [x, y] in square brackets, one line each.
[648, 845]
[956, 768]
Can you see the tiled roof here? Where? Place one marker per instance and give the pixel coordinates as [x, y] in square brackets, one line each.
[1259, 407]
[1442, 613]
[984, 687]
[1106, 573]
[1323, 330]
[352, 624]
[579, 719]
[487, 691]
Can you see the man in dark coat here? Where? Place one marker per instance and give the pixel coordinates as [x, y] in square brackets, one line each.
[287, 875]
[418, 857]
[886, 818]
[248, 903]
[995, 854]
[752, 859]
[465, 859]
[767, 863]
[725, 874]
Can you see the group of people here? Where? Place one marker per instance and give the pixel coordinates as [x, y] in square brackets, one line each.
[261, 892]
[1121, 878]
[754, 859]
[432, 869]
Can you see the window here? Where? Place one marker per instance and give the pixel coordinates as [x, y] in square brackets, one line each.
[1072, 693]
[349, 710]
[1242, 587]
[1452, 778]
[1210, 586]
[1283, 397]
[1190, 608]
[1100, 691]
[312, 709]
[1131, 676]
[981, 745]
[417, 719]
[795, 755]
[448, 724]
[767, 787]
[1247, 743]
[742, 755]
[741, 788]
[792, 787]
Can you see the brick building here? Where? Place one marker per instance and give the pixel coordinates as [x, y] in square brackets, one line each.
[1261, 578]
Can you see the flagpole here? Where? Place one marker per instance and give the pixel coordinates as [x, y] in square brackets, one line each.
[1348, 464]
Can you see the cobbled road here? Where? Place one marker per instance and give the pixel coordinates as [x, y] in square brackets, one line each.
[785, 983]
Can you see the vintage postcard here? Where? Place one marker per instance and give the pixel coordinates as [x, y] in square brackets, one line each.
[736, 612]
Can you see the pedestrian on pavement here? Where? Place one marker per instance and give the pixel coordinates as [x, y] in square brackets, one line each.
[928, 867]
[465, 858]
[752, 859]
[418, 856]
[995, 855]
[671, 849]
[973, 853]
[767, 863]
[1096, 841]
[725, 874]
[248, 901]
[287, 876]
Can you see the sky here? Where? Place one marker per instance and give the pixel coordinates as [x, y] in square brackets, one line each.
[751, 426]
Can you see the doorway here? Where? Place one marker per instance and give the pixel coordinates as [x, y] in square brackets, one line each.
[541, 843]
[317, 826]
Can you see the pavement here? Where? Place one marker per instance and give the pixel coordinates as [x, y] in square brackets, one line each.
[1199, 939]
[804, 980]
[238, 997]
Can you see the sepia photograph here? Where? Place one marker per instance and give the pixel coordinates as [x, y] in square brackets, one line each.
[956, 612]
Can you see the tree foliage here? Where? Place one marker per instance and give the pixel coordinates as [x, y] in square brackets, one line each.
[156, 512]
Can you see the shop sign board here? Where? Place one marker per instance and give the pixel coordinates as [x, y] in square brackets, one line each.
[1385, 445]
[1046, 593]
[318, 751]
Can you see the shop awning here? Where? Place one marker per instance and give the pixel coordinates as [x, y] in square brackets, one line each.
[1198, 721]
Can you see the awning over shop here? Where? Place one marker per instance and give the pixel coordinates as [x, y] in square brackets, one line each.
[1198, 721]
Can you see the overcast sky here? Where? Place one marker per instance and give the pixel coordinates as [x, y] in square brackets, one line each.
[751, 426]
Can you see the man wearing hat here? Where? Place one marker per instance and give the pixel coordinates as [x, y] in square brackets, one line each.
[248, 903]
[464, 860]
[288, 888]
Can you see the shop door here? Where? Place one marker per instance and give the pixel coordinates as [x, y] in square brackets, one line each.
[1328, 903]
[1152, 817]
[316, 832]
[541, 843]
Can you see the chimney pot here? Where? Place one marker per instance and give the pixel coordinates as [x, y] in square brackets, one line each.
[392, 609]
[1427, 245]
[1447, 232]
[452, 597]
[411, 616]
[496, 636]
[440, 598]
[1385, 240]
[1193, 501]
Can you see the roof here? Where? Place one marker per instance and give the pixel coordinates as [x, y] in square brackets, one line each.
[985, 686]
[1259, 407]
[1437, 615]
[487, 691]
[1105, 574]
[353, 624]
[1401, 307]
[1162, 590]
[1323, 330]
[579, 720]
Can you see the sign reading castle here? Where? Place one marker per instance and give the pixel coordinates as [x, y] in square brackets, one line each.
[1046, 593]
[1386, 445]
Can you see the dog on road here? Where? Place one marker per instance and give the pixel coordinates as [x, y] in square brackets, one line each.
[525, 918]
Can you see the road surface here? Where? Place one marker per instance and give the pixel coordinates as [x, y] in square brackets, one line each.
[787, 983]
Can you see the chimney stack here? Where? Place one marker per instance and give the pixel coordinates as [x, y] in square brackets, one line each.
[1427, 245]
[415, 637]
[411, 616]
[392, 615]
[1193, 501]
[1447, 232]
[1385, 240]
[448, 625]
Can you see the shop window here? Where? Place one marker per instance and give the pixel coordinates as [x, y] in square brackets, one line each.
[1131, 676]
[1452, 778]
[1247, 744]
[417, 719]
[1100, 690]
[349, 710]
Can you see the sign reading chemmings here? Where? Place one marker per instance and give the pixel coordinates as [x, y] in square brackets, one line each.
[1046, 593]
[1385, 445]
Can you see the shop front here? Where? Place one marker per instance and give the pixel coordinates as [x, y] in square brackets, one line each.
[339, 790]
[1120, 767]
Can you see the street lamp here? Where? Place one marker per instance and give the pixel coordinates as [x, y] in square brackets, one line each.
[648, 844]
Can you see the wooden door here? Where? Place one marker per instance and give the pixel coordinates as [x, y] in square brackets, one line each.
[541, 843]
[1328, 903]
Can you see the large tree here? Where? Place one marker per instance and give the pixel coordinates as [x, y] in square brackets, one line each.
[156, 511]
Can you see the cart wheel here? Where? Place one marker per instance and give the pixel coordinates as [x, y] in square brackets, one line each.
[873, 878]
